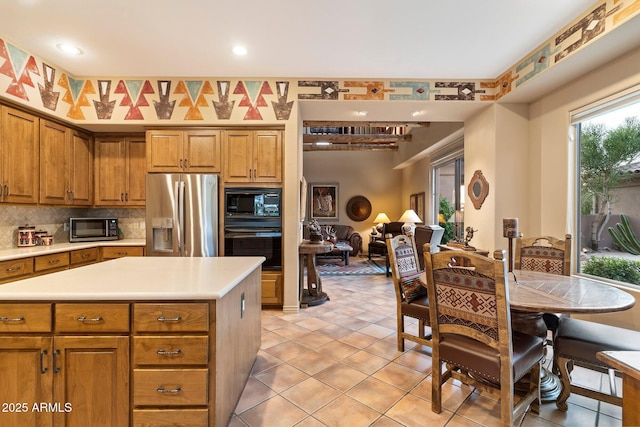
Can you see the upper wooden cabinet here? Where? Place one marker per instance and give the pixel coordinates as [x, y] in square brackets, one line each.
[66, 166]
[19, 156]
[183, 151]
[252, 156]
[120, 171]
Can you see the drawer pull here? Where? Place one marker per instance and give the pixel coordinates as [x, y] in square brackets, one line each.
[85, 256]
[163, 352]
[169, 319]
[13, 269]
[54, 261]
[161, 389]
[84, 319]
[43, 369]
[5, 319]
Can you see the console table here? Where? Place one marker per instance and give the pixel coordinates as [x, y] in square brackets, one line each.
[312, 294]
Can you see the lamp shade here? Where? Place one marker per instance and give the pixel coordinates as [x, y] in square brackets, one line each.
[409, 216]
[382, 218]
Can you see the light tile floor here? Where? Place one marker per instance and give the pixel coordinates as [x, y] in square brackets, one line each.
[337, 364]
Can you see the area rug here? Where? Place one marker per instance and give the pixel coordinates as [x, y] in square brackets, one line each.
[357, 266]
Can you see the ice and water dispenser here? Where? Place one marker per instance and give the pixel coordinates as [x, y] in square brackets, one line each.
[162, 229]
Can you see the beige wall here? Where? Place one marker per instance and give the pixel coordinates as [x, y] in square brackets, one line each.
[549, 154]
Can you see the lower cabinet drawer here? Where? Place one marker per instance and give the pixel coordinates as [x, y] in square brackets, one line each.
[84, 256]
[16, 268]
[80, 317]
[170, 387]
[25, 317]
[59, 261]
[170, 350]
[111, 252]
[170, 417]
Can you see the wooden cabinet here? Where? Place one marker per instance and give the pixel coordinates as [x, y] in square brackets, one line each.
[113, 252]
[45, 264]
[61, 372]
[19, 156]
[16, 269]
[81, 257]
[177, 151]
[170, 362]
[66, 166]
[252, 156]
[272, 288]
[120, 175]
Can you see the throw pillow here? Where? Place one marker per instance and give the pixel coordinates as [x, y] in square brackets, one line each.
[412, 287]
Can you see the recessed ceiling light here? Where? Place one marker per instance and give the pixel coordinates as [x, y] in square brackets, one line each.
[361, 113]
[416, 113]
[69, 49]
[239, 50]
[323, 143]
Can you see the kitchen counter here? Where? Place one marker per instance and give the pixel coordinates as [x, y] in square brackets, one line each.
[23, 252]
[137, 278]
[175, 340]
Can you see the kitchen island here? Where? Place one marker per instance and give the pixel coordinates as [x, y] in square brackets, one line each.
[131, 341]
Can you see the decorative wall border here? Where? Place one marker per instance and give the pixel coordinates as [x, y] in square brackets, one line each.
[29, 80]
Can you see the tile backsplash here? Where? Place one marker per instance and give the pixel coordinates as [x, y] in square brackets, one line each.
[52, 220]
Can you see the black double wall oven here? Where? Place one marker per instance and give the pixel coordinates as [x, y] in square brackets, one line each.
[253, 224]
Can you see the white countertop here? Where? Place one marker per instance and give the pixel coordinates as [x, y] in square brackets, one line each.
[137, 278]
[23, 252]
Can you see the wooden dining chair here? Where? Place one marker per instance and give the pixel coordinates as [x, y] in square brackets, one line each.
[472, 335]
[411, 292]
[546, 254]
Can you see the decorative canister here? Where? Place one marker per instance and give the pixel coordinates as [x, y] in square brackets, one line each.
[27, 236]
[40, 234]
[47, 240]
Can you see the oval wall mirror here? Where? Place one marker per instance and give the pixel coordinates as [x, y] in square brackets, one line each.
[478, 189]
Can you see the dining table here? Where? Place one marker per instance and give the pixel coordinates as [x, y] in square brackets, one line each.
[533, 293]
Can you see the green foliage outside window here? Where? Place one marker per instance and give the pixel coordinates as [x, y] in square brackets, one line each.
[620, 269]
[445, 211]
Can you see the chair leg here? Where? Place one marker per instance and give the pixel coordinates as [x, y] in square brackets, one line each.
[400, 332]
[612, 381]
[565, 378]
[436, 384]
[534, 383]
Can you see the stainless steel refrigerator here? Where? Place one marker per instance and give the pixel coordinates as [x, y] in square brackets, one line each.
[182, 215]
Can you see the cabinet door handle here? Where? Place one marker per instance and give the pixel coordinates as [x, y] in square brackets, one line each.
[162, 352]
[6, 189]
[43, 369]
[5, 319]
[161, 389]
[14, 269]
[185, 163]
[56, 368]
[83, 319]
[122, 197]
[169, 319]
[126, 197]
[180, 163]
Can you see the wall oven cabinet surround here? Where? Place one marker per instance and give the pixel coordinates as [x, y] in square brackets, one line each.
[252, 156]
[196, 151]
[176, 353]
[120, 170]
[19, 156]
[66, 166]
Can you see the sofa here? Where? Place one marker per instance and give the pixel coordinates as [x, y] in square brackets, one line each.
[344, 233]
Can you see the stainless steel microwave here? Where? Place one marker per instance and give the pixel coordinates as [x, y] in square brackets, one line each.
[93, 229]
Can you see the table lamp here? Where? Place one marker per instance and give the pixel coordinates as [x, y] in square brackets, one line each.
[381, 219]
[409, 217]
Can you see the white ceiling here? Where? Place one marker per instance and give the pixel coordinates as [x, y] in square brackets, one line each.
[459, 39]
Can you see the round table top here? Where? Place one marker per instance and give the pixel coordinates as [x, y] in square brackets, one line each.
[307, 247]
[544, 292]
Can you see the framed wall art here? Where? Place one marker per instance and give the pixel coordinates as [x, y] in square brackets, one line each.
[416, 202]
[323, 201]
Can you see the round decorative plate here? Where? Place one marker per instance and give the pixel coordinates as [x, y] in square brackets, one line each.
[358, 208]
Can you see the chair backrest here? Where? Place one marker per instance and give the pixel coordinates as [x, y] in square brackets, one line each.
[472, 301]
[403, 259]
[543, 253]
[394, 228]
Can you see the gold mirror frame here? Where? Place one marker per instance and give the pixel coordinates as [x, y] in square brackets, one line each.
[478, 189]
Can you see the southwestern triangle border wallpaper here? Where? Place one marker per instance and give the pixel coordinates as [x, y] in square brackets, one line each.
[32, 81]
